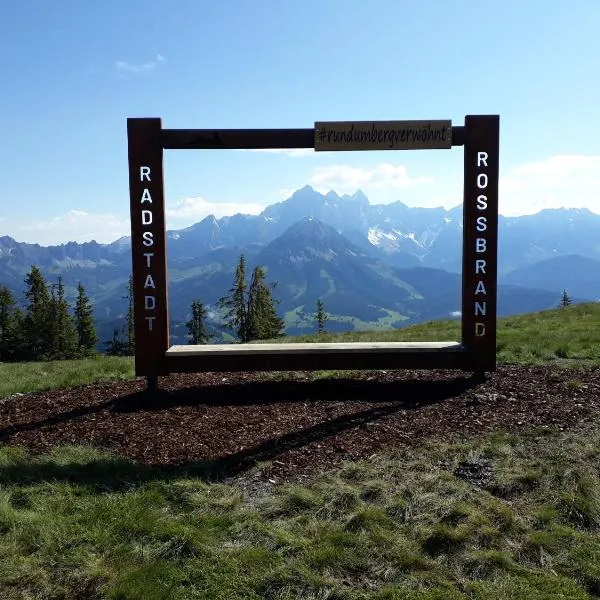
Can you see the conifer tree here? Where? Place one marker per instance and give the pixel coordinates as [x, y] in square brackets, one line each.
[129, 321]
[263, 321]
[234, 303]
[321, 317]
[10, 325]
[84, 322]
[117, 346]
[250, 312]
[195, 326]
[37, 325]
[565, 299]
[63, 334]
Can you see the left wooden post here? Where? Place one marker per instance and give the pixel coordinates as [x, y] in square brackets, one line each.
[148, 248]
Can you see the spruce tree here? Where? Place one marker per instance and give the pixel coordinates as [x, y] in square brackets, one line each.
[234, 303]
[129, 321]
[64, 336]
[263, 321]
[321, 317]
[10, 324]
[37, 324]
[84, 322]
[117, 346]
[195, 326]
[565, 299]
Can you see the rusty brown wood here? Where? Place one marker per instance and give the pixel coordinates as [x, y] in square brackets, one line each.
[147, 139]
[480, 240]
[148, 246]
[248, 139]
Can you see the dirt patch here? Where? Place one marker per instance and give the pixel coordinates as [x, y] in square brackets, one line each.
[225, 424]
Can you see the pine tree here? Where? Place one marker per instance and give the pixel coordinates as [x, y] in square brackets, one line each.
[37, 324]
[234, 303]
[195, 325]
[565, 299]
[10, 326]
[84, 322]
[129, 320]
[321, 317]
[63, 334]
[263, 322]
[117, 346]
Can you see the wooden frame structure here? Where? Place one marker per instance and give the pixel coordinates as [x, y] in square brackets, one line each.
[475, 352]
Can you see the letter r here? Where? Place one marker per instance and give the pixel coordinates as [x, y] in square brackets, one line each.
[145, 172]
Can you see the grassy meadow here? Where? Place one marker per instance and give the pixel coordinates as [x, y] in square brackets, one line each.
[562, 336]
[82, 523]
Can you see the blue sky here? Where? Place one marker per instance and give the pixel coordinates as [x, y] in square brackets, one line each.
[71, 72]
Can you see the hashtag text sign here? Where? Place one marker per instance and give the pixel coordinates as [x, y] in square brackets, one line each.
[382, 135]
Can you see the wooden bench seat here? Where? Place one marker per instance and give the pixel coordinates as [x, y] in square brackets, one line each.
[315, 356]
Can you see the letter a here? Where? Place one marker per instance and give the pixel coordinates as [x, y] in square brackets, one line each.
[146, 197]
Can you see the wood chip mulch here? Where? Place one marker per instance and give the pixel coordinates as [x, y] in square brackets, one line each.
[225, 423]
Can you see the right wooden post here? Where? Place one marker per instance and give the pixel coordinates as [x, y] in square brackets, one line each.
[480, 240]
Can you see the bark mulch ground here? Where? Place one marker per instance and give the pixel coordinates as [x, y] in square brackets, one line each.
[223, 424]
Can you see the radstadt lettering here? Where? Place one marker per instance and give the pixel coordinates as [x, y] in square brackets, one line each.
[148, 243]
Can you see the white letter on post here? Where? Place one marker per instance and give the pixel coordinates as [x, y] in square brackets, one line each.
[482, 159]
[144, 172]
[146, 217]
[479, 266]
[148, 256]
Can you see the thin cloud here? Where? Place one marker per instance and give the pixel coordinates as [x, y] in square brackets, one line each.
[72, 226]
[347, 179]
[194, 209]
[125, 68]
[561, 181]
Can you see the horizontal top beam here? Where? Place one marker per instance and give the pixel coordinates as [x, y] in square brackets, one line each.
[253, 139]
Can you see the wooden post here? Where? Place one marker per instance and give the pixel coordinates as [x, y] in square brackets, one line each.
[148, 246]
[480, 241]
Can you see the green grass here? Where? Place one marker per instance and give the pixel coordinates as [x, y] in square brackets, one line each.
[81, 523]
[559, 336]
[37, 376]
[564, 337]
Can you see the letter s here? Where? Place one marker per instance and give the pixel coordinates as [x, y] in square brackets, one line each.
[148, 238]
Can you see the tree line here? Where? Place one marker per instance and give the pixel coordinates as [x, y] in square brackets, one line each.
[249, 310]
[47, 328]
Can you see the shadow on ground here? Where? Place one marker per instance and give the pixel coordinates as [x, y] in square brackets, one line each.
[408, 391]
[115, 473]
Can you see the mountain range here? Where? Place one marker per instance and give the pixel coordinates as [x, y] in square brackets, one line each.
[372, 265]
